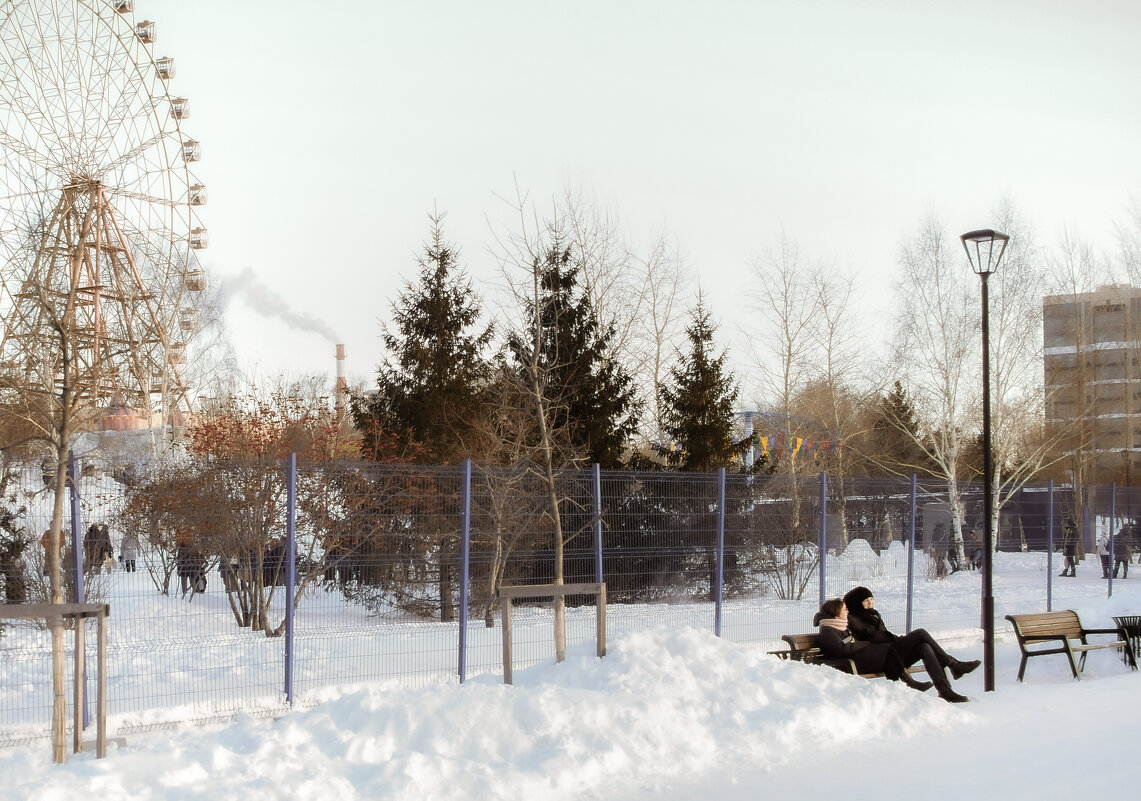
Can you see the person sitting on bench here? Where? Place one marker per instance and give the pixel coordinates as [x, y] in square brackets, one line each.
[836, 642]
[866, 624]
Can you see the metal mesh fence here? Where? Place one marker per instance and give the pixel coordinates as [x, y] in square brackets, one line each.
[245, 586]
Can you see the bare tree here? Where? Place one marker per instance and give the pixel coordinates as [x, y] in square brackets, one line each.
[1021, 447]
[634, 290]
[841, 345]
[934, 348]
[784, 347]
[785, 344]
[521, 253]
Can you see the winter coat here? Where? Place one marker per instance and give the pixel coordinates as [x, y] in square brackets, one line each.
[190, 562]
[869, 657]
[129, 548]
[868, 626]
[1103, 545]
[1070, 546]
[1123, 544]
[865, 624]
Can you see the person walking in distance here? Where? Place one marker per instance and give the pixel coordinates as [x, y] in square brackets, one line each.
[1069, 548]
[129, 551]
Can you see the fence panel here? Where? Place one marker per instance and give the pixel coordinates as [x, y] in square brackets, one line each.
[191, 557]
[378, 574]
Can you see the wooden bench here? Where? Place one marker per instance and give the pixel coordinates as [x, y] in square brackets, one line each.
[1064, 631]
[806, 648]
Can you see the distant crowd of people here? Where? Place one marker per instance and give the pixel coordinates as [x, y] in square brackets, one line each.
[1114, 553]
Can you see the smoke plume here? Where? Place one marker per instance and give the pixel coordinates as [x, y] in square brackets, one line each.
[267, 302]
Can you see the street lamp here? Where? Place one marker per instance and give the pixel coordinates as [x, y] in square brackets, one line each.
[984, 251]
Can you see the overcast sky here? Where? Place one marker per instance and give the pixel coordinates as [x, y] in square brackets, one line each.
[329, 131]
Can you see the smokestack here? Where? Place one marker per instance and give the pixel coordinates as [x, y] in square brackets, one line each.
[342, 385]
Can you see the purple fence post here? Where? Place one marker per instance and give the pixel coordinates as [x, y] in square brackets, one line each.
[290, 568]
[597, 523]
[911, 551]
[1112, 523]
[76, 529]
[77, 561]
[823, 545]
[720, 549]
[465, 569]
[1050, 546]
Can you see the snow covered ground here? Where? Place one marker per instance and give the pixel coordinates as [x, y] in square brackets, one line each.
[670, 713]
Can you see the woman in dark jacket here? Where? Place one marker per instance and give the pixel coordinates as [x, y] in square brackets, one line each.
[837, 642]
[865, 623]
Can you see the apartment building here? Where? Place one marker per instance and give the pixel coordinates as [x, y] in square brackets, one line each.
[1093, 381]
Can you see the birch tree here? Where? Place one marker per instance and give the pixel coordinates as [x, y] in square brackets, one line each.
[1020, 450]
[934, 349]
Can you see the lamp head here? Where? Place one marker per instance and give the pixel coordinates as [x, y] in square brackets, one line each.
[984, 249]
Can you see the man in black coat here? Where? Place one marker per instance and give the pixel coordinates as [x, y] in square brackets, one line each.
[865, 623]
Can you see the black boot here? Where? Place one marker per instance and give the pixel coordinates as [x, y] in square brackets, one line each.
[960, 669]
[921, 686]
[952, 697]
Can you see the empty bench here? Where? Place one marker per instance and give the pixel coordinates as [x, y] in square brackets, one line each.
[806, 648]
[1045, 633]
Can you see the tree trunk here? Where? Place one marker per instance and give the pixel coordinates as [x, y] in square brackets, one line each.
[447, 608]
[55, 540]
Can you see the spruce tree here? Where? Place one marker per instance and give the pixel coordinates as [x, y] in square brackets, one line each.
[590, 397]
[895, 430]
[698, 403]
[429, 387]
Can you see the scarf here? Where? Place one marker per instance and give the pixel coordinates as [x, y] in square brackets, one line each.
[834, 623]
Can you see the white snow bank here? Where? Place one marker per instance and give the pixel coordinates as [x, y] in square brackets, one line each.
[661, 706]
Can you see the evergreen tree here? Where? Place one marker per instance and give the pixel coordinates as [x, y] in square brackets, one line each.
[429, 388]
[698, 403]
[895, 431]
[590, 397]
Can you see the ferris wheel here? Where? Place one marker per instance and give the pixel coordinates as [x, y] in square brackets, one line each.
[99, 228]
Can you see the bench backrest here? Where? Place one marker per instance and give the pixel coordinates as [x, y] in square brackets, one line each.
[1043, 624]
[803, 645]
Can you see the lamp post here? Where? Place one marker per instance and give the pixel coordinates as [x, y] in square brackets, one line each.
[984, 251]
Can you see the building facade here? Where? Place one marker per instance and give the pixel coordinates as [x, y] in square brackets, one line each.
[1093, 382]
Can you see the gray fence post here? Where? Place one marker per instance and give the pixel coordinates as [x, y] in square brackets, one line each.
[823, 544]
[720, 566]
[1050, 546]
[913, 503]
[465, 569]
[597, 523]
[290, 567]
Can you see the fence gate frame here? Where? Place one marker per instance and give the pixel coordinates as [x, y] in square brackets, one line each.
[78, 613]
[552, 591]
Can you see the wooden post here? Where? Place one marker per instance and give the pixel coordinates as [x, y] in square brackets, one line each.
[506, 594]
[54, 615]
[505, 614]
[77, 684]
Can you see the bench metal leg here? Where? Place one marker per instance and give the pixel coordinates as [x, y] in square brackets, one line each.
[1022, 667]
[1076, 667]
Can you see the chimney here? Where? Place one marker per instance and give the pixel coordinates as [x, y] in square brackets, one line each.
[342, 389]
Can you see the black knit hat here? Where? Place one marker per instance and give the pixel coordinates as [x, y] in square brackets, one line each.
[855, 597]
